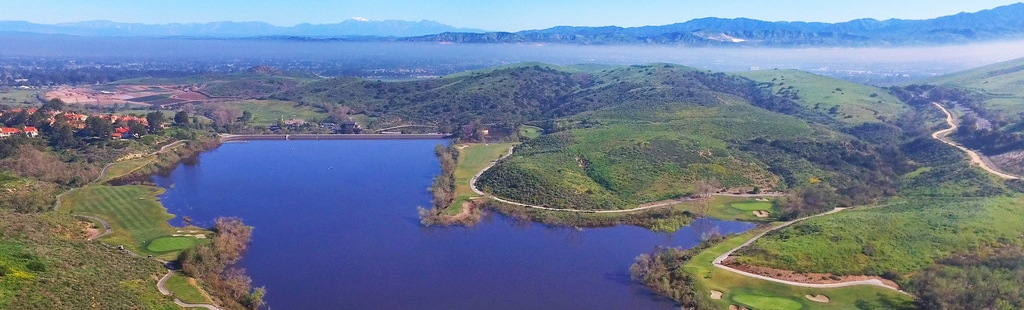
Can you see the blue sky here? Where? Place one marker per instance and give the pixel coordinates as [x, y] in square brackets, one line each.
[502, 15]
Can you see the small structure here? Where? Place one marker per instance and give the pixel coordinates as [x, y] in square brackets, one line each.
[31, 132]
[8, 131]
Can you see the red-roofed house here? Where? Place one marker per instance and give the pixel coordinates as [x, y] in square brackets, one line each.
[31, 132]
[8, 131]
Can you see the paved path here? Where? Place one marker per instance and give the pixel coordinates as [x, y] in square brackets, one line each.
[976, 158]
[718, 262]
[160, 285]
[106, 226]
[647, 206]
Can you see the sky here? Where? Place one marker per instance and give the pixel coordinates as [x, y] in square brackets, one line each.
[495, 15]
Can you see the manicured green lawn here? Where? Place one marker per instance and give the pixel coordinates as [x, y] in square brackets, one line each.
[268, 112]
[767, 303]
[752, 292]
[181, 288]
[724, 207]
[752, 206]
[134, 212]
[166, 244]
[472, 159]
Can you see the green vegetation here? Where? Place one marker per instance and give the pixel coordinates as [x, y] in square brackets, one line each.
[854, 103]
[992, 274]
[752, 206]
[125, 168]
[892, 239]
[231, 287]
[530, 132]
[707, 277]
[1000, 83]
[179, 285]
[18, 97]
[269, 112]
[767, 303]
[134, 213]
[688, 276]
[168, 244]
[46, 263]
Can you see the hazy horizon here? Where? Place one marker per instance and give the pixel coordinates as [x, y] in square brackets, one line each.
[491, 16]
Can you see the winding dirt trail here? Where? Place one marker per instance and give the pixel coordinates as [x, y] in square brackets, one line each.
[646, 206]
[942, 135]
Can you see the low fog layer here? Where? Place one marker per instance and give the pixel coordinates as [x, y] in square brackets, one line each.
[325, 57]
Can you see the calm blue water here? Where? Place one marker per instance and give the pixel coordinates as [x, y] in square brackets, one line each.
[336, 228]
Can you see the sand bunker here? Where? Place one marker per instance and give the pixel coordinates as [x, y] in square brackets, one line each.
[735, 307]
[762, 214]
[716, 294]
[200, 236]
[818, 298]
[762, 199]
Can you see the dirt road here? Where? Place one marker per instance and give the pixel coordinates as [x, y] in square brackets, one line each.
[976, 159]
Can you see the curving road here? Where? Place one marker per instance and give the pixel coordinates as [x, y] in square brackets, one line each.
[718, 262]
[658, 204]
[160, 285]
[975, 157]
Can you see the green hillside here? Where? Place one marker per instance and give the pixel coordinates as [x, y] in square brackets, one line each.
[1002, 84]
[846, 101]
[46, 263]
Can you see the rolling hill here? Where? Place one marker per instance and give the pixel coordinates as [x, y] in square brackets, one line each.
[616, 137]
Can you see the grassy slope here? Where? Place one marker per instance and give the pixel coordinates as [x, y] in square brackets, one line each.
[179, 286]
[472, 159]
[737, 288]
[1003, 83]
[267, 112]
[857, 103]
[901, 236]
[622, 167]
[134, 213]
[19, 97]
[126, 167]
[75, 274]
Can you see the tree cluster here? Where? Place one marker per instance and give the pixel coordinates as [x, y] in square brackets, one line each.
[211, 263]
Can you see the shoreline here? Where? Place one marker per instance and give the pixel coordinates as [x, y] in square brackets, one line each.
[230, 137]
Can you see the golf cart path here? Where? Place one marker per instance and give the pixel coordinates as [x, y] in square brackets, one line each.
[161, 285]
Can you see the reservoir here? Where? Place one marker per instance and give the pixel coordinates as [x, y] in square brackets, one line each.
[336, 228]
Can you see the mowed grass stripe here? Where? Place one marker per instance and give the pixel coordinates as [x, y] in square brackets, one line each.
[133, 211]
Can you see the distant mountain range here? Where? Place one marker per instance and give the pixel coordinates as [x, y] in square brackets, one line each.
[1006, 22]
[349, 28]
[1001, 23]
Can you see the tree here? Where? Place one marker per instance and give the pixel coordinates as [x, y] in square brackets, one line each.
[63, 136]
[52, 105]
[98, 127]
[256, 298]
[156, 120]
[181, 118]
[137, 128]
[246, 116]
